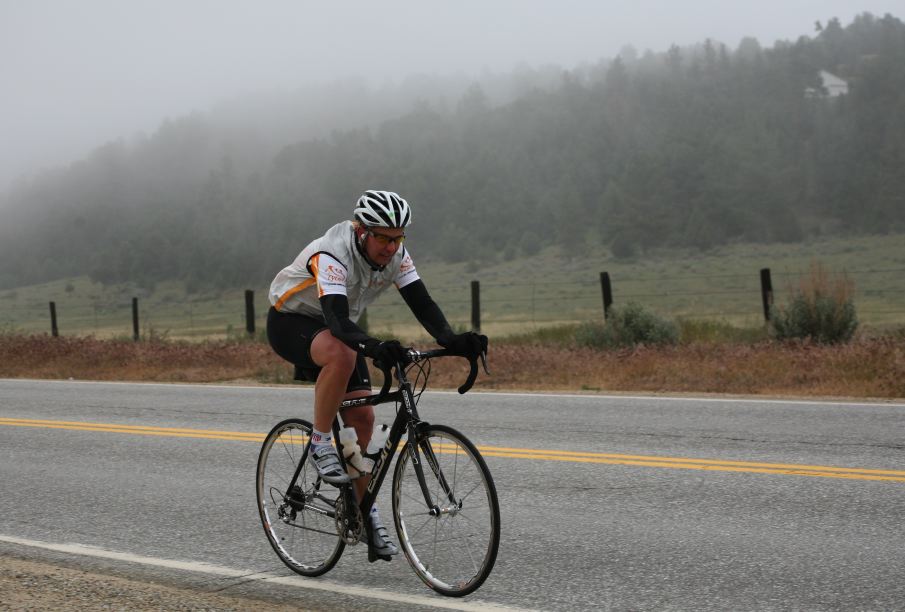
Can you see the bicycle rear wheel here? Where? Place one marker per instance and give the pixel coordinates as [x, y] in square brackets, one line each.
[451, 538]
[300, 524]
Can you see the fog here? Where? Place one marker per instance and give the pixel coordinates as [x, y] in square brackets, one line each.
[78, 74]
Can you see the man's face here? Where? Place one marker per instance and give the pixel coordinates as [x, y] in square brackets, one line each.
[381, 243]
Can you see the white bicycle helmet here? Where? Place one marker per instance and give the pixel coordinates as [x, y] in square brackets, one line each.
[383, 209]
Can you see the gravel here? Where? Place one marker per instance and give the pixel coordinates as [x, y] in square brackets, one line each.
[33, 585]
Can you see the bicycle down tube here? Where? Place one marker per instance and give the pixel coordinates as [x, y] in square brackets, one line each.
[373, 400]
[406, 419]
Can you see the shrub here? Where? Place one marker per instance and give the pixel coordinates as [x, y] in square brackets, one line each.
[821, 309]
[627, 326]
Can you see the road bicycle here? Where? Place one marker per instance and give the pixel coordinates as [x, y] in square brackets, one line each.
[445, 505]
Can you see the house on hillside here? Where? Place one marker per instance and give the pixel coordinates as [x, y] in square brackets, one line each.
[832, 86]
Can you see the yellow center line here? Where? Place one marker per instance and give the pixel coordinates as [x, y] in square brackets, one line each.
[136, 429]
[579, 456]
[721, 465]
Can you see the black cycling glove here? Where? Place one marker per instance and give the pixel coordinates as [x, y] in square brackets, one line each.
[387, 352]
[469, 344]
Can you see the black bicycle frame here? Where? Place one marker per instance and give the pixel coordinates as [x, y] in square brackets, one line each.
[406, 418]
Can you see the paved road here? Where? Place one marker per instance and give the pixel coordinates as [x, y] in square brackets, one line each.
[663, 503]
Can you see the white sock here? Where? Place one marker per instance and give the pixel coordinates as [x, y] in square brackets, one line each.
[319, 438]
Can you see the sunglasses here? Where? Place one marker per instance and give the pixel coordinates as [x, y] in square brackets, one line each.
[384, 240]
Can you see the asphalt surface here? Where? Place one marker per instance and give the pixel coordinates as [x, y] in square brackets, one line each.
[578, 533]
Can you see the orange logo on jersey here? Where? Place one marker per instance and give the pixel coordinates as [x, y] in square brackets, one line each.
[334, 274]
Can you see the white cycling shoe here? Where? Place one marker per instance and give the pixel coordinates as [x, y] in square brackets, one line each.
[326, 460]
[381, 544]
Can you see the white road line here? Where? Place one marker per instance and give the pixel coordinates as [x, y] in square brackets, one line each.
[316, 584]
[534, 394]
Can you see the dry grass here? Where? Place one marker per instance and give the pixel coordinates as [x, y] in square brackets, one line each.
[867, 367]
[89, 358]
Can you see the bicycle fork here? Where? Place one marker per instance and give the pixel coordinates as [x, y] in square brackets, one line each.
[431, 459]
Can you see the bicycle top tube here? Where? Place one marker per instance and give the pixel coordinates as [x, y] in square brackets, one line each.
[384, 396]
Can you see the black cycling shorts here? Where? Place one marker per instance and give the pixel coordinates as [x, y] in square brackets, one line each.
[290, 335]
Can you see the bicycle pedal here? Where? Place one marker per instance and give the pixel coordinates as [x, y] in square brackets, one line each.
[373, 556]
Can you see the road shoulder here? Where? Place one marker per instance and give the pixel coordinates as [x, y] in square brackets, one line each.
[37, 580]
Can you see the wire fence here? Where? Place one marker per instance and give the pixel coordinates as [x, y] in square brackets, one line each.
[510, 306]
[879, 297]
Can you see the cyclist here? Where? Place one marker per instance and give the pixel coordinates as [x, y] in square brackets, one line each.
[316, 301]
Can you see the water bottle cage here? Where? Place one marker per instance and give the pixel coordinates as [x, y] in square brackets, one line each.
[358, 463]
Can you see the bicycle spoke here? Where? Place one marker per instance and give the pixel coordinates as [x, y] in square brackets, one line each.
[428, 522]
[451, 551]
[473, 489]
[300, 522]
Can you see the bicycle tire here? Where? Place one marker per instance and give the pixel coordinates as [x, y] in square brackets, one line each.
[301, 528]
[453, 552]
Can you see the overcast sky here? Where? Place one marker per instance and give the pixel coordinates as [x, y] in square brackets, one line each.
[78, 73]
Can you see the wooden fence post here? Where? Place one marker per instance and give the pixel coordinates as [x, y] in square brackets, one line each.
[476, 306]
[607, 290]
[135, 334]
[54, 331]
[250, 312]
[766, 292]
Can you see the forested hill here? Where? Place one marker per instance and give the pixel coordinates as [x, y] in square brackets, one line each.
[693, 147]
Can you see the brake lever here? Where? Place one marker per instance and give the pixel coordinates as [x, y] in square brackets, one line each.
[484, 362]
[387, 372]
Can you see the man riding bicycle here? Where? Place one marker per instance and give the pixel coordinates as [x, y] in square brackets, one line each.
[326, 289]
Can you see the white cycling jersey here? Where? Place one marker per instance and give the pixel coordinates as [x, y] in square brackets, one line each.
[333, 265]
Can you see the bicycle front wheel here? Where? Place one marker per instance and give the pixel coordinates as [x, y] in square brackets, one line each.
[300, 521]
[449, 528]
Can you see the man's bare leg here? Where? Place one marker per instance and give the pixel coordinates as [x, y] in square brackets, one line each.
[337, 361]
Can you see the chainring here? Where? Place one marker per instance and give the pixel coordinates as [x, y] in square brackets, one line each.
[349, 525]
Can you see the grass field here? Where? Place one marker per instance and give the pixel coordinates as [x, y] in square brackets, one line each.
[518, 296]
[865, 368]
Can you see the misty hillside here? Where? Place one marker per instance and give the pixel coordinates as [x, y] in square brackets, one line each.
[693, 147]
